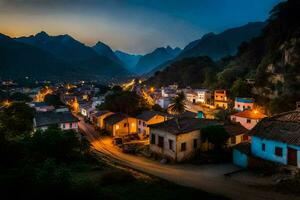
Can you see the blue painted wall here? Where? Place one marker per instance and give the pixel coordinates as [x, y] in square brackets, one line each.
[269, 153]
[240, 159]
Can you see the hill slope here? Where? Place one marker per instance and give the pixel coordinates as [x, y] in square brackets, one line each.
[129, 60]
[104, 50]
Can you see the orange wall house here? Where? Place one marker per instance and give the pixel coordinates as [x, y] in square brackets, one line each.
[120, 124]
[221, 99]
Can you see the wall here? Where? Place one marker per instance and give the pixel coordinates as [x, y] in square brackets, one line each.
[119, 129]
[269, 153]
[243, 121]
[188, 139]
[100, 122]
[241, 106]
[240, 159]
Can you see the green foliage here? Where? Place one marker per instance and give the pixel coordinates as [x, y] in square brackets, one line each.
[223, 115]
[20, 97]
[158, 108]
[125, 102]
[216, 135]
[240, 89]
[178, 103]
[16, 120]
[53, 100]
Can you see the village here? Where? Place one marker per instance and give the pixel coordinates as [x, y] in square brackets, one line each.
[174, 134]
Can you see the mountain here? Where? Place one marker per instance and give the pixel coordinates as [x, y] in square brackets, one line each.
[32, 58]
[219, 45]
[158, 56]
[104, 50]
[61, 46]
[129, 60]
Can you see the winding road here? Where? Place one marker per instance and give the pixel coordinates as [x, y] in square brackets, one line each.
[209, 178]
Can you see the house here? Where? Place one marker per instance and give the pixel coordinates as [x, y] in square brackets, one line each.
[86, 109]
[98, 117]
[178, 139]
[120, 124]
[41, 106]
[64, 120]
[237, 133]
[97, 101]
[247, 118]
[164, 102]
[276, 139]
[221, 99]
[203, 96]
[241, 104]
[148, 118]
[191, 96]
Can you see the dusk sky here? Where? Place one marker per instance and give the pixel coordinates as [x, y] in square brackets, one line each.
[135, 26]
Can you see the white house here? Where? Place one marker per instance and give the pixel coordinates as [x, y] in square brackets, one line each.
[64, 120]
[203, 96]
[164, 102]
[247, 118]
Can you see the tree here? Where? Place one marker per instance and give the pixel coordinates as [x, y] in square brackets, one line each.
[17, 96]
[53, 100]
[16, 120]
[240, 89]
[126, 102]
[178, 104]
[216, 135]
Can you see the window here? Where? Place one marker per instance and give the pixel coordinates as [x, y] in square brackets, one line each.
[278, 151]
[263, 147]
[63, 126]
[195, 143]
[234, 119]
[126, 124]
[161, 141]
[139, 130]
[171, 145]
[238, 105]
[144, 123]
[140, 122]
[183, 146]
[248, 121]
[233, 140]
[152, 138]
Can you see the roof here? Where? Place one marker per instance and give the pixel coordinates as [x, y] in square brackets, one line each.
[284, 127]
[244, 100]
[147, 115]
[115, 118]
[250, 114]
[189, 114]
[234, 129]
[101, 112]
[51, 118]
[244, 147]
[177, 126]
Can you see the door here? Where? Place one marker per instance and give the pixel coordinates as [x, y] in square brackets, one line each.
[292, 156]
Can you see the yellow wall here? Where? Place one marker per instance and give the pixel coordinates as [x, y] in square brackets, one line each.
[119, 129]
[156, 119]
[101, 118]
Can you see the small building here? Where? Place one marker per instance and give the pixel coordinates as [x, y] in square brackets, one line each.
[277, 139]
[148, 118]
[237, 133]
[247, 118]
[241, 154]
[241, 104]
[221, 99]
[64, 120]
[41, 106]
[178, 139]
[86, 109]
[164, 102]
[98, 118]
[120, 124]
[203, 96]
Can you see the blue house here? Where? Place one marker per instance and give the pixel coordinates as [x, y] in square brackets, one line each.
[275, 139]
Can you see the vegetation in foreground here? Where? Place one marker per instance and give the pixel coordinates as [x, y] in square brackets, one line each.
[55, 164]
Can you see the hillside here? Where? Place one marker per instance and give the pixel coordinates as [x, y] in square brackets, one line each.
[20, 59]
[271, 60]
[217, 46]
[129, 60]
[160, 55]
[104, 50]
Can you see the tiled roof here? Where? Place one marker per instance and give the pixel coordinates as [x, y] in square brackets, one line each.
[115, 118]
[250, 114]
[284, 127]
[182, 125]
[52, 118]
[234, 129]
[147, 115]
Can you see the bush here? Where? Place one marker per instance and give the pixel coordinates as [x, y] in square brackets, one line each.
[116, 177]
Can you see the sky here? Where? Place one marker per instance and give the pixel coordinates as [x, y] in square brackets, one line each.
[134, 26]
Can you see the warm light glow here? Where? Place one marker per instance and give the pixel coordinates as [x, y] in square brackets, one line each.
[6, 103]
[42, 93]
[255, 111]
[117, 127]
[152, 89]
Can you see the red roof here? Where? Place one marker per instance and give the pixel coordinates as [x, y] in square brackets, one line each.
[250, 114]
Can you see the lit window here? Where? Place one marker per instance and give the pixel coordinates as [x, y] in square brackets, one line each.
[117, 127]
[248, 121]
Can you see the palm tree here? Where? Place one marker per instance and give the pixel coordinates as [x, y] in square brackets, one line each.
[178, 104]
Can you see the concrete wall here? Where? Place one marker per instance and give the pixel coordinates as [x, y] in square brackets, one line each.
[187, 138]
[240, 159]
[120, 130]
[241, 106]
